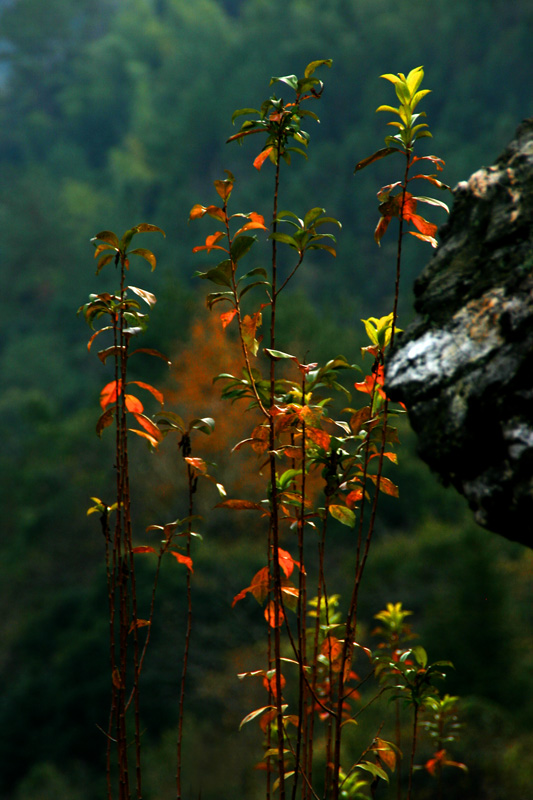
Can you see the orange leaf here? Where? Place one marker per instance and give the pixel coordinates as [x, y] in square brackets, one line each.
[156, 393]
[260, 436]
[216, 213]
[270, 683]
[385, 485]
[197, 211]
[139, 623]
[197, 463]
[264, 722]
[353, 497]
[148, 426]
[359, 418]
[240, 505]
[224, 188]
[182, 559]
[143, 549]
[211, 243]
[274, 616]
[287, 562]
[116, 678]
[108, 394]
[133, 404]
[153, 441]
[332, 649]
[262, 157]
[259, 587]
[227, 316]
[321, 438]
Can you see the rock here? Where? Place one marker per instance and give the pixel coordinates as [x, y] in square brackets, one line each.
[464, 367]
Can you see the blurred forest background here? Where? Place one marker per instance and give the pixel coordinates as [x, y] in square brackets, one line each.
[115, 112]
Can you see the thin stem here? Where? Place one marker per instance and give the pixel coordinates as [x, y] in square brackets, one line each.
[413, 751]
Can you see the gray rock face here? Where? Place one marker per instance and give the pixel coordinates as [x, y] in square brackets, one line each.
[464, 368]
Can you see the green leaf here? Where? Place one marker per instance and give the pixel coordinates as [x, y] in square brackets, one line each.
[107, 236]
[420, 655]
[205, 425]
[343, 514]
[290, 80]
[221, 274]
[241, 245]
[377, 772]
[285, 239]
[146, 227]
[253, 272]
[310, 68]
[312, 215]
[105, 260]
[241, 111]
[168, 419]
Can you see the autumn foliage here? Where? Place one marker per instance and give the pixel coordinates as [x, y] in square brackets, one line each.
[301, 447]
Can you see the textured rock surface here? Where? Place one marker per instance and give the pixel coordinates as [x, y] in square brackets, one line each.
[464, 368]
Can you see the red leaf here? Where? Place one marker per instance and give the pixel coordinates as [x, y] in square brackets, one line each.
[182, 559]
[262, 157]
[227, 316]
[143, 549]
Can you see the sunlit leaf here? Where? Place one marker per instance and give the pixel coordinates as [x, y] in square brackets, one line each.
[254, 714]
[156, 393]
[227, 316]
[274, 614]
[262, 157]
[343, 514]
[385, 485]
[108, 394]
[181, 559]
[148, 425]
[107, 236]
[133, 404]
[146, 254]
